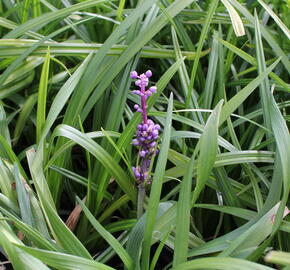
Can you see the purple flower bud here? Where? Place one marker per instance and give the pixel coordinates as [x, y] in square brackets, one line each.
[139, 110]
[135, 142]
[152, 144]
[136, 92]
[136, 106]
[138, 83]
[155, 132]
[145, 127]
[140, 127]
[134, 74]
[148, 73]
[147, 163]
[142, 153]
[148, 93]
[157, 127]
[136, 172]
[153, 89]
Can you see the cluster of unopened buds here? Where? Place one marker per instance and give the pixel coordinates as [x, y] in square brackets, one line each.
[147, 132]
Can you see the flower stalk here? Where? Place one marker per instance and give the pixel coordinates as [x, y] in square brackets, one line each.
[146, 136]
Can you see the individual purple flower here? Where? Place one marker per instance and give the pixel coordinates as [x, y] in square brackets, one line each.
[147, 131]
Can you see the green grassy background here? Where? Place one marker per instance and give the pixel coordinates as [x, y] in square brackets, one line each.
[220, 189]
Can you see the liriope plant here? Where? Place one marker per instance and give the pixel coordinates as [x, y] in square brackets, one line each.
[217, 191]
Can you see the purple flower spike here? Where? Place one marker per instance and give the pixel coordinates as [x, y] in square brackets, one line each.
[147, 131]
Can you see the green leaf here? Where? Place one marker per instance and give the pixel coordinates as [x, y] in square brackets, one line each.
[62, 234]
[4, 130]
[282, 26]
[19, 259]
[24, 116]
[211, 75]
[208, 150]
[236, 242]
[136, 236]
[51, 16]
[278, 257]
[11, 47]
[156, 187]
[183, 216]
[63, 95]
[266, 34]
[11, 155]
[265, 91]
[238, 99]
[65, 261]
[282, 138]
[42, 94]
[124, 256]
[222, 264]
[23, 198]
[205, 29]
[32, 234]
[103, 156]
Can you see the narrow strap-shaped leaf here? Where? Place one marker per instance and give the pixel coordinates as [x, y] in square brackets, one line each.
[282, 26]
[156, 188]
[183, 216]
[42, 94]
[64, 261]
[265, 91]
[278, 257]
[221, 264]
[266, 34]
[239, 98]
[47, 17]
[62, 234]
[102, 155]
[23, 198]
[18, 259]
[63, 95]
[122, 253]
[208, 150]
[282, 138]
[4, 131]
[31, 233]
